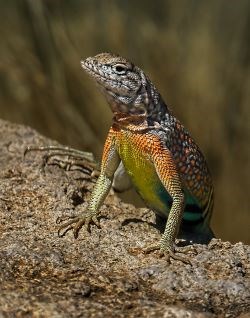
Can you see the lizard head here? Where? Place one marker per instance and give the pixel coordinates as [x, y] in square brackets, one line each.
[125, 85]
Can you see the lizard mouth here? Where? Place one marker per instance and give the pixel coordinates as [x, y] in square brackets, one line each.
[92, 70]
[89, 67]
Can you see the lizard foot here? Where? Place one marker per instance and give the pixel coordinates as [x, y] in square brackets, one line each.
[67, 158]
[167, 252]
[78, 221]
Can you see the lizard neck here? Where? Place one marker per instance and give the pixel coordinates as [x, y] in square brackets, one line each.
[153, 104]
[130, 122]
[151, 113]
[140, 123]
[157, 111]
[156, 108]
[146, 107]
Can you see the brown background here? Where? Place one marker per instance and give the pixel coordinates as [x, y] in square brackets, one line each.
[196, 52]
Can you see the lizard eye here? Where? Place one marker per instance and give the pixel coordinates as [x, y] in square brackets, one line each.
[120, 69]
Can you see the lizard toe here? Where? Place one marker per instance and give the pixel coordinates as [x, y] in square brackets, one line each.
[171, 254]
[151, 248]
[76, 223]
[166, 252]
[64, 228]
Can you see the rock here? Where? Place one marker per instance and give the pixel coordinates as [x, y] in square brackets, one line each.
[102, 273]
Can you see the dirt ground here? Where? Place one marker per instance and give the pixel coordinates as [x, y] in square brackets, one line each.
[103, 273]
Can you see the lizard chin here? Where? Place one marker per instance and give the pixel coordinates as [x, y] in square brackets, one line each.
[124, 104]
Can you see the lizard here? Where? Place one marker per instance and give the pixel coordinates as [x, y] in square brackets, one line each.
[162, 160]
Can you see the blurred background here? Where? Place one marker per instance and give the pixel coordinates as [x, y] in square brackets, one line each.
[196, 52]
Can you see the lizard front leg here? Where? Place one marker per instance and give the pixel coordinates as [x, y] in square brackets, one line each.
[168, 174]
[110, 162]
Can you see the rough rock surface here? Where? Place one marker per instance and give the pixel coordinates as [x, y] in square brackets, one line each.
[102, 274]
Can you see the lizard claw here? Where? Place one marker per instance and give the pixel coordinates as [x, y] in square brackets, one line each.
[79, 221]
